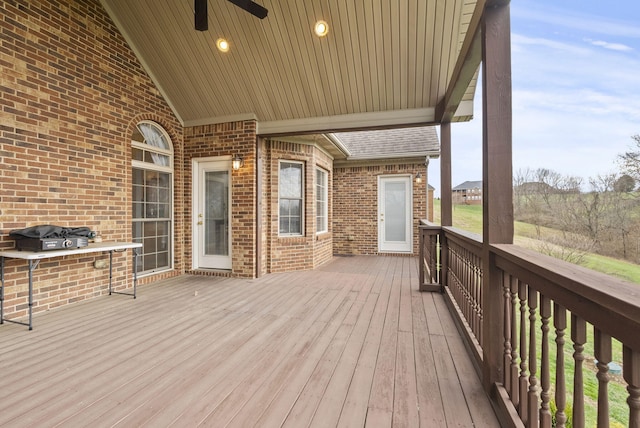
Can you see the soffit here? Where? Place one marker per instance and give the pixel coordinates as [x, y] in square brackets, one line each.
[384, 63]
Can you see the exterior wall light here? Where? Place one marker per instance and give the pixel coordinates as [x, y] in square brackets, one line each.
[418, 178]
[321, 28]
[237, 162]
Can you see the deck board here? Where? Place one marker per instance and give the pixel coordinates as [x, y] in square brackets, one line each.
[353, 343]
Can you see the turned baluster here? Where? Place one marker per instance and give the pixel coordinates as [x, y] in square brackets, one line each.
[524, 369]
[545, 377]
[560, 323]
[506, 282]
[477, 281]
[602, 351]
[631, 374]
[579, 337]
[515, 396]
[532, 406]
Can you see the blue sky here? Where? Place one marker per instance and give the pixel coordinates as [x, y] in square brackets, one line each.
[576, 90]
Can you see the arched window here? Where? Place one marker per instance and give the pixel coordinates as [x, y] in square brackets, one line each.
[152, 191]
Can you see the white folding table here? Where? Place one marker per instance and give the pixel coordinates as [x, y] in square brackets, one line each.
[34, 258]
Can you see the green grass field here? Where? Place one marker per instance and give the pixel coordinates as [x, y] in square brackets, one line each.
[469, 218]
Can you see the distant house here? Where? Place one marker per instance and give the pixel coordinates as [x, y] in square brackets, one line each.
[468, 193]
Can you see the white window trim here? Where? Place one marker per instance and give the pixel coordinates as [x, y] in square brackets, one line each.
[302, 200]
[168, 169]
[326, 200]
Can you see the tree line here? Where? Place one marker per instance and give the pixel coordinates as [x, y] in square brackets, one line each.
[573, 217]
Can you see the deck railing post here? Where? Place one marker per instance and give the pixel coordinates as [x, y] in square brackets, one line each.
[497, 198]
[429, 254]
[444, 260]
[421, 254]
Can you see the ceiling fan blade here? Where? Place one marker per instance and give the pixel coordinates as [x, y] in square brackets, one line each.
[201, 16]
[252, 7]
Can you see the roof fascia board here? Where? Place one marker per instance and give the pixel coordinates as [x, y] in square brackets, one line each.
[338, 144]
[221, 119]
[349, 122]
[292, 139]
[423, 155]
[465, 108]
[371, 162]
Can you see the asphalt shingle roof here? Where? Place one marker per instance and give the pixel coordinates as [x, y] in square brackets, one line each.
[389, 143]
[468, 185]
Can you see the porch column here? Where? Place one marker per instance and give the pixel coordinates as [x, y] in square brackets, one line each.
[497, 200]
[446, 218]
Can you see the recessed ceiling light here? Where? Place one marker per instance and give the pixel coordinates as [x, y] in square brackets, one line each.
[321, 28]
[222, 45]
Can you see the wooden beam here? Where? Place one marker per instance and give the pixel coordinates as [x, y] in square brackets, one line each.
[446, 217]
[497, 199]
[466, 67]
[497, 124]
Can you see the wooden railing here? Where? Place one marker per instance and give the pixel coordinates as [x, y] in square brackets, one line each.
[557, 333]
[464, 283]
[429, 257]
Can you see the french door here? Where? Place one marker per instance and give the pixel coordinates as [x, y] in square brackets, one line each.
[394, 214]
[211, 214]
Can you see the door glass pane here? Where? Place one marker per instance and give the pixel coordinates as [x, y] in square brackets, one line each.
[395, 218]
[216, 217]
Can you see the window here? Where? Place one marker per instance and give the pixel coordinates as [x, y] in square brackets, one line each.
[290, 198]
[322, 196]
[152, 189]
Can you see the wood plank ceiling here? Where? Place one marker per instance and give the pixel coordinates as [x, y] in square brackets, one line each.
[384, 63]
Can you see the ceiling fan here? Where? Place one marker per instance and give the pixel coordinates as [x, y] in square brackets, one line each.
[201, 18]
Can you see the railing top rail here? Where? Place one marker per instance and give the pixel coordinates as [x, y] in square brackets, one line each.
[610, 304]
[425, 224]
[469, 238]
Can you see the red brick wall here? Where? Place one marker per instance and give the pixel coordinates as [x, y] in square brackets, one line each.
[287, 253]
[355, 206]
[71, 92]
[227, 139]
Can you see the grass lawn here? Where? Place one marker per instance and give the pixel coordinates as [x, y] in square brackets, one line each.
[469, 218]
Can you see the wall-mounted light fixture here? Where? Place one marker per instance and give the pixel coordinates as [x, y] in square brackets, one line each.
[237, 162]
[418, 178]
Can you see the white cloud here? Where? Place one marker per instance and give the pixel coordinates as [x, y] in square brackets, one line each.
[613, 46]
[575, 97]
[572, 19]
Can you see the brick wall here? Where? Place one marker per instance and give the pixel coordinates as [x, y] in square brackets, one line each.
[71, 92]
[287, 253]
[227, 139]
[355, 206]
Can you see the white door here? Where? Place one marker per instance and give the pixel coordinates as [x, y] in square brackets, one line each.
[394, 214]
[211, 214]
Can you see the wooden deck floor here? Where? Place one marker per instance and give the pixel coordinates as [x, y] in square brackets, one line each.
[350, 344]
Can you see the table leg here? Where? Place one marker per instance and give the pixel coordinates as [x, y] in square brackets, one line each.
[31, 268]
[110, 269]
[135, 271]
